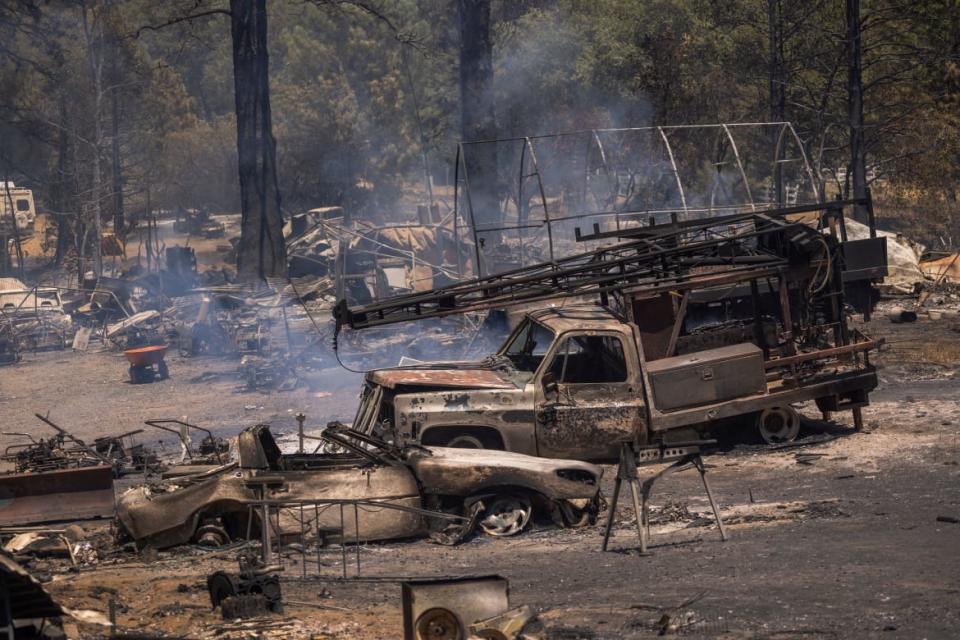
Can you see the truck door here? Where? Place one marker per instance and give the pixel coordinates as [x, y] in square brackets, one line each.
[589, 398]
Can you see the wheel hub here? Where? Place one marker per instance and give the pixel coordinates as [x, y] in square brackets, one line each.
[438, 624]
[506, 516]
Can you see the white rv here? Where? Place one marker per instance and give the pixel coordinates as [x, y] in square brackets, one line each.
[19, 201]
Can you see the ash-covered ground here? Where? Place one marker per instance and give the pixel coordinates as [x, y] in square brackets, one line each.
[839, 544]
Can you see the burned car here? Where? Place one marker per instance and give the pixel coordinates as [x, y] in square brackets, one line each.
[35, 316]
[503, 490]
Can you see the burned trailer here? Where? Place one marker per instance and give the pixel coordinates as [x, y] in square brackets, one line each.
[696, 325]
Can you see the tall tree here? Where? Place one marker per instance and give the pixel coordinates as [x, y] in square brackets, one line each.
[261, 252]
[778, 93]
[477, 113]
[116, 164]
[858, 157]
[93, 41]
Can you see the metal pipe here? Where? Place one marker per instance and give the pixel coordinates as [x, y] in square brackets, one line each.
[79, 443]
[543, 198]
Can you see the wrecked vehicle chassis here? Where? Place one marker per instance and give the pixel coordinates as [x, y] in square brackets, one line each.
[216, 507]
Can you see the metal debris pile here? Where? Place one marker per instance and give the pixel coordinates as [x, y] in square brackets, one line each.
[252, 598]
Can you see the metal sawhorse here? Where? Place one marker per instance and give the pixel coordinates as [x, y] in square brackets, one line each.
[632, 457]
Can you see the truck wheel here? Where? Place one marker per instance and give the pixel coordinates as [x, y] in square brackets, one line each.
[507, 515]
[462, 438]
[777, 425]
[465, 441]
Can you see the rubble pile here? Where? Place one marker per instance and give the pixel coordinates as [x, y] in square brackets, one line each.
[277, 329]
[252, 598]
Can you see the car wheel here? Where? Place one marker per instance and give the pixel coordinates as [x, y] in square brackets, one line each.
[506, 515]
[777, 425]
[212, 535]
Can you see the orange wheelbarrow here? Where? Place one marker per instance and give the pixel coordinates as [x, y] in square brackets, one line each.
[146, 364]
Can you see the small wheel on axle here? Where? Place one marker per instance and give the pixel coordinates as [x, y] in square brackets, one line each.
[439, 624]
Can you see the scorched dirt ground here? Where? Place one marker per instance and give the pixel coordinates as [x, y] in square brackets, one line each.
[842, 544]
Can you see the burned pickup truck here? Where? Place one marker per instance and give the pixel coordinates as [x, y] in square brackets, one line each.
[503, 491]
[696, 326]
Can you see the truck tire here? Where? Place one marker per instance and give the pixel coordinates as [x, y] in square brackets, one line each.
[463, 438]
[777, 425]
[465, 441]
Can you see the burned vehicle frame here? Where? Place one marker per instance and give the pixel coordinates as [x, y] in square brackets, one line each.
[35, 318]
[505, 490]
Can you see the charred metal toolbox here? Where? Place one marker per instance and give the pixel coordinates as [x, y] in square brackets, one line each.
[708, 376]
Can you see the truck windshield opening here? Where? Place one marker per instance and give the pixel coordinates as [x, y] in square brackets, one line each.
[528, 346]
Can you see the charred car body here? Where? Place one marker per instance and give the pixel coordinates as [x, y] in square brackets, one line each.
[504, 489]
[34, 317]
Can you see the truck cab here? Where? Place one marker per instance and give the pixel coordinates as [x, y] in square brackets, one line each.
[35, 316]
[565, 384]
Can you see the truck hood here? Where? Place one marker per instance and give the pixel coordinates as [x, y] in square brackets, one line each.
[451, 378]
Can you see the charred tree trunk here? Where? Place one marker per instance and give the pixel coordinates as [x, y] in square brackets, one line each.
[858, 160]
[60, 200]
[778, 94]
[476, 71]
[95, 60]
[261, 252]
[118, 213]
[478, 117]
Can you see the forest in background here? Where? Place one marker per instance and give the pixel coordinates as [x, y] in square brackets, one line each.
[112, 108]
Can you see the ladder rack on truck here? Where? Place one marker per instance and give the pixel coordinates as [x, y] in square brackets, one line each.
[650, 256]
